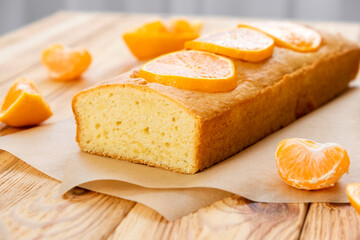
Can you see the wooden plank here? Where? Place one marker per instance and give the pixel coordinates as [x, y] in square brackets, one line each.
[31, 208]
[331, 221]
[231, 218]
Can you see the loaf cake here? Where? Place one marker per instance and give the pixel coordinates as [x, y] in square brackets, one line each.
[187, 131]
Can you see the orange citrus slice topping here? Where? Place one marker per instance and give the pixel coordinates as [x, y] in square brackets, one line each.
[191, 70]
[289, 35]
[24, 106]
[353, 193]
[242, 43]
[154, 39]
[65, 64]
[305, 164]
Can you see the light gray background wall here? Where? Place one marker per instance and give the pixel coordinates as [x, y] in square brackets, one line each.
[15, 13]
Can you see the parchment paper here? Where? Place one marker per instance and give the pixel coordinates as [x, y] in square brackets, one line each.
[251, 173]
[49, 149]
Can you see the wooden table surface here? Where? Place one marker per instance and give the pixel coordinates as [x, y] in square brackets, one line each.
[30, 205]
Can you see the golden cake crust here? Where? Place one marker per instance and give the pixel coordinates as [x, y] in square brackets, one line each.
[253, 78]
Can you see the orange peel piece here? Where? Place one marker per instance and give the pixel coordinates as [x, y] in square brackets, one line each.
[289, 35]
[191, 70]
[305, 164]
[24, 106]
[241, 43]
[65, 64]
[353, 193]
[154, 39]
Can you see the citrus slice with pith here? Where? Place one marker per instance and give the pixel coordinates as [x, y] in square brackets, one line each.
[65, 64]
[305, 164]
[191, 70]
[242, 43]
[24, 106]
[289, 35]
[353, 193]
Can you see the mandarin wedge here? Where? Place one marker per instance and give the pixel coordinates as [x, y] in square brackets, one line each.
[289, 35]
[24, 106]
[242, 43]
[65, 64]
[154, 39]
[191, 70]
[305, 164]
[353, 193]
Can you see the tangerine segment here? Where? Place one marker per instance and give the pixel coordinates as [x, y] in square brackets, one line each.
[154, 39]
[191, 70]
[242, 43]
[24, 106]
[305, 164]
[289, 35]
[65, 64]
[353, 193]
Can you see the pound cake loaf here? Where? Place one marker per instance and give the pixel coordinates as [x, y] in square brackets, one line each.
[186, 131]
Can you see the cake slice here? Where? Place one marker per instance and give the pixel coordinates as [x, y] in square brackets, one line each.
[186, 131]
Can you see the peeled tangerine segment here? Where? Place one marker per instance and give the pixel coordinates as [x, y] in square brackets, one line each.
[24, 106]
[65, 64]
[305, 164]
[154, 38]
[353, 193]
[242, 43]
[289, 35]
[191, 70]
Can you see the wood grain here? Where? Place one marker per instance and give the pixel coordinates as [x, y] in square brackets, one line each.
[331, 221]
[231, 218]
[30, 207]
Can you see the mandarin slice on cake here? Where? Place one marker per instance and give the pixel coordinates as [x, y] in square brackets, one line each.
[289, 35]
[191, 70]
[242, 43]
[24, 106]
[305, 164]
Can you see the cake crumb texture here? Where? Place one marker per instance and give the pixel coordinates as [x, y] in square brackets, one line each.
[134, 124]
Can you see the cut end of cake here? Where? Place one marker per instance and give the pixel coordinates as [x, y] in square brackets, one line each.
[136, 124]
